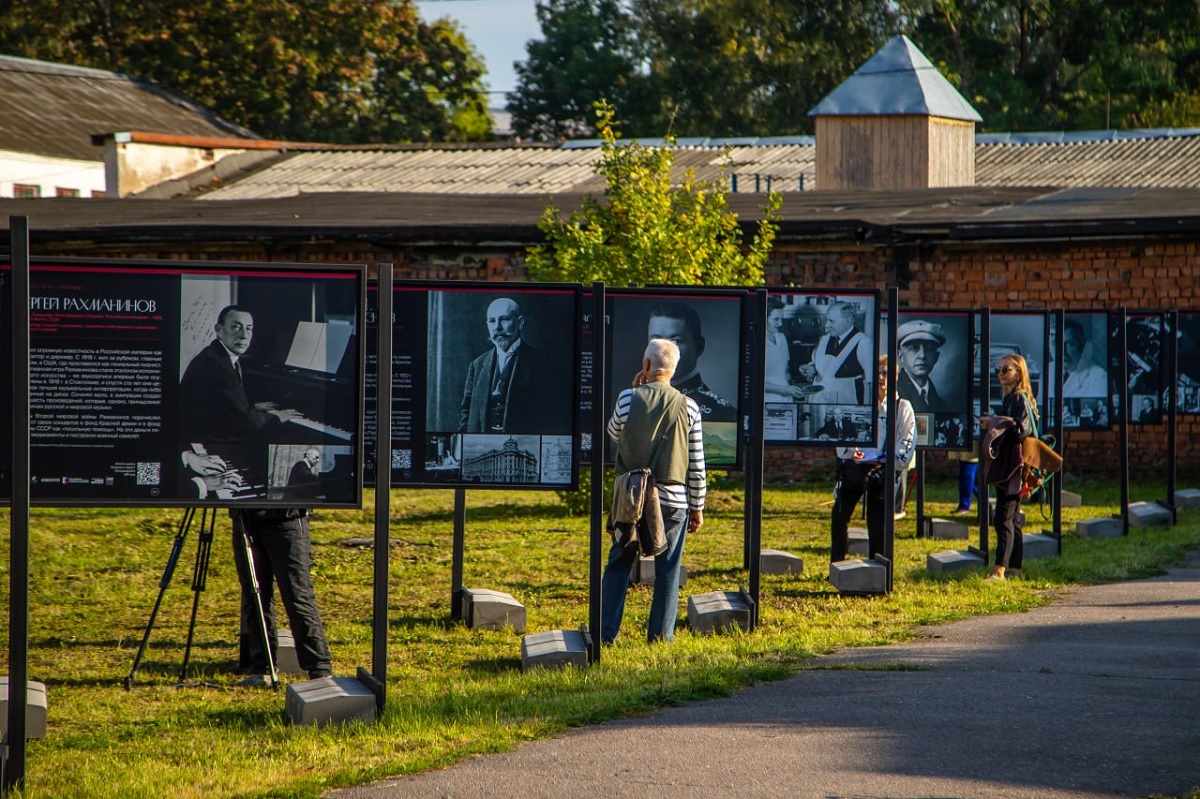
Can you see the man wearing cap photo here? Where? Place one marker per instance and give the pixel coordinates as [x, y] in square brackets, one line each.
[920, 344]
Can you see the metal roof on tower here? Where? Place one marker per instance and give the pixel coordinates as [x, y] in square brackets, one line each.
[898, 80]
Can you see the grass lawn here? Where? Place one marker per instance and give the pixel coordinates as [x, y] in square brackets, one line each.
[454, 692]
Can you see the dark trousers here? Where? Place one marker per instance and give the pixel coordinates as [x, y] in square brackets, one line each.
[282, 552]
[1010, 545]
[854, 481]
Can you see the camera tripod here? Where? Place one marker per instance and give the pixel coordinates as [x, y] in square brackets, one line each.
[208, 520]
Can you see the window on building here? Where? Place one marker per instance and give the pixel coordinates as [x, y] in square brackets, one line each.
[24, 191]
[61, 192]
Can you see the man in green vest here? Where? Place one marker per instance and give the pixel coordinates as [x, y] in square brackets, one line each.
[655, 426]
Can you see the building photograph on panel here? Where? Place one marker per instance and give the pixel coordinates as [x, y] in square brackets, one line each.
[820, 368]
[491, 397]
[707, 326]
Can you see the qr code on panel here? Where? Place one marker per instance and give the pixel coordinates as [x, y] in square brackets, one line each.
[149, 474]
[402, 459]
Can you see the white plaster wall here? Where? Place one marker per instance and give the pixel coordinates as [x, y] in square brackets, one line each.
[50, 174]
[141, 165]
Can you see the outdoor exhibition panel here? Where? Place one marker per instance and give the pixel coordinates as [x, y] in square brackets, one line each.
[820, 370]
[710, 326]
[1145, 354]
[1087, 389]
[485, 385]
[1188, 337]
[191, 383]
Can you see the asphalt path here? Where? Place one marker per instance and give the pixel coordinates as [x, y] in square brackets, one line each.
[1097, 695]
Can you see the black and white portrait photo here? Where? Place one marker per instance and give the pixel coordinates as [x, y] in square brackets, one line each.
[934, 372]
[1188, 357]
[1144, 361]
[1085, 389]
[707, 328]
[1023, 334]
[820, 366]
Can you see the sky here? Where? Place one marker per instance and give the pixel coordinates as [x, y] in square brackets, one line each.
[499, 30]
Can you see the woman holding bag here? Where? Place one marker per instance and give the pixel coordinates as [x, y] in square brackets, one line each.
[1006, 433]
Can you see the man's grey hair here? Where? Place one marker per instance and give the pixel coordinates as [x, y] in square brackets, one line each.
[663, 355]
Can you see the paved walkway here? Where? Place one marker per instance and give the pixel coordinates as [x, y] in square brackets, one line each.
[1097, 695]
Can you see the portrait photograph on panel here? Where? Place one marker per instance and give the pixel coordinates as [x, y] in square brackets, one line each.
[1021, 334]
[268, 370]
[1188, 358]
[500, 392]
[821, 364]
[1085, 390]
[934, 372]
[707, 328]
[1144, 362]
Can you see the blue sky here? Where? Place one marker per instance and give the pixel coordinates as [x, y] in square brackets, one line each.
[499, 30]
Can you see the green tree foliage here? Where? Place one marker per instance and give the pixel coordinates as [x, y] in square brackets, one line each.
[646, 230]
[587, 55]
[325, 70]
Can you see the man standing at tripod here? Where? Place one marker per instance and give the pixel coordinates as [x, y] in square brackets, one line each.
[279, 544]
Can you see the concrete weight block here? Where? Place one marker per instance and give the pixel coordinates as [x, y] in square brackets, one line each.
[952, 561]
[483, 609]
[858, 576]
[643, 572]
[329, 700]
[286, 661]
[554, 649]
[1107, 527]
[774, 561]
[945, 529]
[1188, 498]
[1039, 546]
[1071, 500]
[718, 611]
[1149, 514]
[35, 708]
[858, 542]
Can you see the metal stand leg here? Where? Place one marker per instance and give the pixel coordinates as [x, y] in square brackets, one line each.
[208, 520]
[180, 536]
[240, 523]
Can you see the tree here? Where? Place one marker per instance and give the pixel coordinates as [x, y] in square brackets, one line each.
[648, 231]
[326, 70]
[587, 55]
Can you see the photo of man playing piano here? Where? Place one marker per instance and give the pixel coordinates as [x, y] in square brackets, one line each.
[269, 374]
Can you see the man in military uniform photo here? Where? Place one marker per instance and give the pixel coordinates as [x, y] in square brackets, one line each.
[680, 324]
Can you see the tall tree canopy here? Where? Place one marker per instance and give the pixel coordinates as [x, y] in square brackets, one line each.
[323, 70]
[740, 67]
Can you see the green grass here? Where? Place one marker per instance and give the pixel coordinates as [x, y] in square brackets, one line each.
[454, 692]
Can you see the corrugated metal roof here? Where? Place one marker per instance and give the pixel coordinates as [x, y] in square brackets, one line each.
[1099, 158]
[53, 109]
[897, 80]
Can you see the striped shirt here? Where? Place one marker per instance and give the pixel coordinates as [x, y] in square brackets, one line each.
[673, 496]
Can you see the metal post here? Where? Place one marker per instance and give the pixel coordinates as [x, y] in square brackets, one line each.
[889, 441]
[1058, 319]
[754, 445]
[458, 553]
[383, 486]
[599, 395]
[985, 409]
[1122, 377]
[18, 569]
[1172, 394]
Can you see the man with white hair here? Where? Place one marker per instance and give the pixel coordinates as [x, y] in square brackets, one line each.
[658, 428]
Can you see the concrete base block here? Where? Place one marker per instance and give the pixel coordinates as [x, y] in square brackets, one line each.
[1188, 498]
[329, 700]
[1100, 528]
[1071, 500]
[492, 610]
[286, 661]
[858, 542]
[858, 576]
[555, 649]
[1149, 514]
[774, 561]
[1039, 546]
[718, 611]
[946, 528]
[35, 708]
[952, 560]
[643, 572]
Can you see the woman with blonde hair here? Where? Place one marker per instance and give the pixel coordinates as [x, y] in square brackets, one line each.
[1007, 430]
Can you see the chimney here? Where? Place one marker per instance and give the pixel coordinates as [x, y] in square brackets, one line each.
[896, 123]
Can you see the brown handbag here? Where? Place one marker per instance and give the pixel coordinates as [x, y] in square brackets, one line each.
[1041, 461]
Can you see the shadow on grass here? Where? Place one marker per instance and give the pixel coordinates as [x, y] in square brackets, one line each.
[496, 665]
[489, 513]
